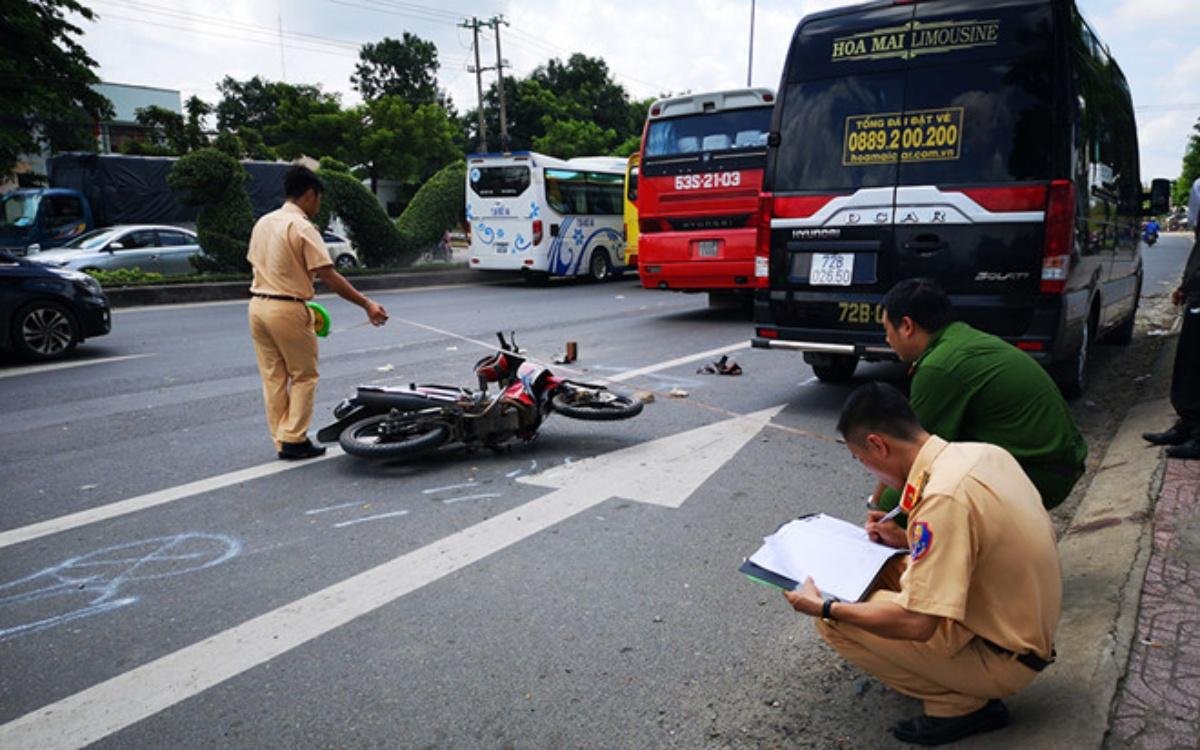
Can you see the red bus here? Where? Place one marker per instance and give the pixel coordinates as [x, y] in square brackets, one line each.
[702, 164]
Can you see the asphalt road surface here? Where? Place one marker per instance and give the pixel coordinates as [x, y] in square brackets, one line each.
[165, 582]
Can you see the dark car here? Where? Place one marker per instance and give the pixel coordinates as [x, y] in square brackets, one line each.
[990, 146]
[45, 311]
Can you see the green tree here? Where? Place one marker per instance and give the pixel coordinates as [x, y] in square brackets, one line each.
[398, 141]
[273, 109]
[216, 182]
[581, 89]
[405, 67]
[194, 135]
[567, 139]
[166, 128]
[1191, 168]
[45, 77]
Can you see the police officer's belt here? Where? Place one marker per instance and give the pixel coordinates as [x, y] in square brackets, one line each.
[283, 297]
[1033, 661]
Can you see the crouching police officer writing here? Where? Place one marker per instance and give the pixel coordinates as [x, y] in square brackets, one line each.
[969, 615]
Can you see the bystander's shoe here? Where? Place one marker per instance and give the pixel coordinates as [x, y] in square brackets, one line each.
[1179, 433]
[936, 730]
[1188, 450]
[300, 451]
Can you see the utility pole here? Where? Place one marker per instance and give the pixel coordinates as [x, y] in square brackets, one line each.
[495, 24]
[474, 25]
[750, 62]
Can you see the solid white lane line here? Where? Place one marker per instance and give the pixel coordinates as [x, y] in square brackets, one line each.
[34, 369]
[99, 711]
[141, 502]
[464, 498]
[631, 374]
[317, 511]
[149, 500]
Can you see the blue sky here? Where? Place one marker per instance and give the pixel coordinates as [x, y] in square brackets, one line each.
[653, 46]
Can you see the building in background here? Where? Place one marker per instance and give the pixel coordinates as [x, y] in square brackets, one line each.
[127, 100]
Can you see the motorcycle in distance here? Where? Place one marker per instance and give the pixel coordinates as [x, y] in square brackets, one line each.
[398, 422]
[1150, 233]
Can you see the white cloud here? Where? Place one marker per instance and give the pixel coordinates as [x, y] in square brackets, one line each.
[1139, 14]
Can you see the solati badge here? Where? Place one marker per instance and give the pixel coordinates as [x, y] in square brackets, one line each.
[922, 540]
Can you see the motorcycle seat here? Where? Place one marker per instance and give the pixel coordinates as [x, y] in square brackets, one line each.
[405, 399]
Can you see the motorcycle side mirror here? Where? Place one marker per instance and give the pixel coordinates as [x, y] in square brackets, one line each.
[512, 337]
[1159, 196]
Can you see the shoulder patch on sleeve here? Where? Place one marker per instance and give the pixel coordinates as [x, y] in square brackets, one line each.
[922, 540]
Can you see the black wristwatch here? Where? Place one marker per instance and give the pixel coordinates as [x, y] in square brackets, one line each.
[827, 609]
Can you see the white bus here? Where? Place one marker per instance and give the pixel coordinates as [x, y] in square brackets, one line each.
[544, 216]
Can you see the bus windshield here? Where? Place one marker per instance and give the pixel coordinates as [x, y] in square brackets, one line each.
[731, 130]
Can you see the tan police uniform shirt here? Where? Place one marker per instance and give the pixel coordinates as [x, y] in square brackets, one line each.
[285, 249]
[981, 547]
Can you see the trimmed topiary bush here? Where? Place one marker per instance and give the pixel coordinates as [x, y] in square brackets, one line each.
[215, 182]
[378, 241]
[439, 205]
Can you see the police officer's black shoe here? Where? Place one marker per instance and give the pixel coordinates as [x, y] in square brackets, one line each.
[300, 451]
[1188, 450]
[935, 730]
[1179, 433]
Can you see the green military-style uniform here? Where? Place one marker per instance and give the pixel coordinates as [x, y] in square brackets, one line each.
[972, 386]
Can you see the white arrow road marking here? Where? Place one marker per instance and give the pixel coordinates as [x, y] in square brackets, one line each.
[673, 471]
[34, 369]
[170, 494]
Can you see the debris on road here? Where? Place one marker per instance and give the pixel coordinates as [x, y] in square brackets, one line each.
[570, 355]
[646, 397]
[386, 368]
[723, 366]
[678, 393]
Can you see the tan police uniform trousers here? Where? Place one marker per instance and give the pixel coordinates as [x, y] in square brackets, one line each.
[286, 346]
[954, 672]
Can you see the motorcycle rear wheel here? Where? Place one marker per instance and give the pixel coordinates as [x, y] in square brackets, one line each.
[595, 405]
[363, 438]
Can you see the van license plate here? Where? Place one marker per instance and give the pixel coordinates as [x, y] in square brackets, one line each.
[708, 248]
[831, 269]
[501, 248]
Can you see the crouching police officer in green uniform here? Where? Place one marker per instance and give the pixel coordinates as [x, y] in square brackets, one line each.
[967, 385]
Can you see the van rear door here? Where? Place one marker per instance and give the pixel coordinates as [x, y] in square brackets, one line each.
[832, 207]
[918, 139]
[977, 151]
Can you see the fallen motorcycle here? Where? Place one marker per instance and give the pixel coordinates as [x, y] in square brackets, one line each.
[395, 422]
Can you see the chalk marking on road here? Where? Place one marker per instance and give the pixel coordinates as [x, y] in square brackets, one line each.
[447, 488]
[150, 500]
[99, 577]
[393, 514]
[35, 369]
[682, 463]
[318, 511]
[464, 498]
[513, 473]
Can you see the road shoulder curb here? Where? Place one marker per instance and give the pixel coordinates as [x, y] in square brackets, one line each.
[1104, 554]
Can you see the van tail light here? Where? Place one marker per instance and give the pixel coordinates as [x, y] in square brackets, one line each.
[625, 232]
[762, 240]
[467, 228]
[1060, 237]
[537, 231]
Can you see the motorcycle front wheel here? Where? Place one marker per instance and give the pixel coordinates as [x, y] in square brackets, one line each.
[595, 404]
[367, 438]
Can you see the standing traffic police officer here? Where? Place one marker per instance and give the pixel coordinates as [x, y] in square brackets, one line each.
[1184, 435]
[973, 616]
[286, 251]
[972, 386]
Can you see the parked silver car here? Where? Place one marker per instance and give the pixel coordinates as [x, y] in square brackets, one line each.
[341, 252]
[151, 248]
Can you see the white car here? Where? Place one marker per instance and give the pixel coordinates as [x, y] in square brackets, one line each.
[149, 247]
[341, 252]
